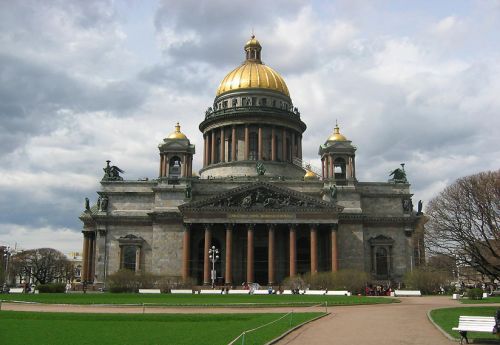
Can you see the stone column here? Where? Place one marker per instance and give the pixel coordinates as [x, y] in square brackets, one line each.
[323, 168]
[332, 170]
[234, 140]
[314, 249]
[293, 252]
[206, 261]
[294, 145]
[222, 145]
[273, 144]
[229, 253]
[85, 256]
[250, 263]
[247, 142]
[335, 254]
[89, 259]
[299, 146]
[166, 164]
[186, 253]
[283, 146]
[212, 158]
[270, 255]
[260, 142]
[138, 259]
[183, 165]
[161, 165]
[205, 150]
[94, 245]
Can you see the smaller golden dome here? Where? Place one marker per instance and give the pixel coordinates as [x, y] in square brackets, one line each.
[310, 175]
[336, 136]
[253, 43]
[177, 134]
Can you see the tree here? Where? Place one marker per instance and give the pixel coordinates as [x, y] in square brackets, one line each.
[464, 222]
[44, 265]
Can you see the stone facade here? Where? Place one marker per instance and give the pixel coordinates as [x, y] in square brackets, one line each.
[269, 214]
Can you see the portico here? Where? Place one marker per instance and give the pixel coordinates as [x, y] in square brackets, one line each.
[265, 232]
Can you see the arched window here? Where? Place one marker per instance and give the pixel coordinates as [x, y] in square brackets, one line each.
[174, 167]
[339, 168]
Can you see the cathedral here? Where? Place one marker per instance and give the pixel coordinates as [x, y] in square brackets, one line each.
[269, 214]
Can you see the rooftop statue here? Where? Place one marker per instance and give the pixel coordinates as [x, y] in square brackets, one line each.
[112, 173]
[399, 175]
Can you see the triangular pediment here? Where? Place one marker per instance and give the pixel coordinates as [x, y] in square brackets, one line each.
[261, 196]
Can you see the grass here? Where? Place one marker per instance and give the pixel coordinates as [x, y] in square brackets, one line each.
[481, 301]
[194, 300]
[69, 328]
[447, 318]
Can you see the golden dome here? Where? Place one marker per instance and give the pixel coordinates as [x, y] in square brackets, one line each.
[177, 134]
[336, 136]
[253, 73]
[310, 175]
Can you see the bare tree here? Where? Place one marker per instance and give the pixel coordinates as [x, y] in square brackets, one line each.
[44, 265]
[464, 220]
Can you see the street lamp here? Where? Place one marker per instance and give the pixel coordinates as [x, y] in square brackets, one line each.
[213, 255]
[6, 256]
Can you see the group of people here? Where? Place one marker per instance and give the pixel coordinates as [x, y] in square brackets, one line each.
[378, 290]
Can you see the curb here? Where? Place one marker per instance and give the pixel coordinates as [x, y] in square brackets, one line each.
[439, 328]
[275, 340]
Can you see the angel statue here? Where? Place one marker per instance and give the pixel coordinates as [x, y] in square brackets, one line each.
[399, 175]
[112, 173]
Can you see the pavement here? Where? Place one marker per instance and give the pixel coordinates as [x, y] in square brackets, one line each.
[404, 323]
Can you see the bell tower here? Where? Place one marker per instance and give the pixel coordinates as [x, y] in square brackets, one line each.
[176, 155]
[338, 159]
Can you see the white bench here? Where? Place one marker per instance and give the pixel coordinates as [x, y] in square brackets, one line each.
[314, 292]
[16, 290]
[181, 291]
[287, 292]
[149, 291]
[239, 292]
[211, 292]
[338, 293]
[407, 293]
[474, 324]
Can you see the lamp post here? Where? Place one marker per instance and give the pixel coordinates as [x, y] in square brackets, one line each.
[6, 257]
[213, 255]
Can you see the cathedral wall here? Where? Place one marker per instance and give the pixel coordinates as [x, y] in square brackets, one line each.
[382, 206]
[167, 247]
[350, 243]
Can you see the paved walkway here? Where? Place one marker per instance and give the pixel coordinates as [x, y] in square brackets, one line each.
[405, 323]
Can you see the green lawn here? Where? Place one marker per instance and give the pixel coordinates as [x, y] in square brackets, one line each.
[193, 300]
[448, 318]
[481, 301]
[69, 328]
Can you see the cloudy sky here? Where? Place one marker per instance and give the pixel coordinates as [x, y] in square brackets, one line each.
[85, 81]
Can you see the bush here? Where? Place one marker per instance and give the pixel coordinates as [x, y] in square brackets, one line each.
[129, 281]
[348, 279]
[475, 293]
[425, 280]
[52, 288]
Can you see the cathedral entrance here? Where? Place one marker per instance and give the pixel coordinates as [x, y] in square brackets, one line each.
[260, 267]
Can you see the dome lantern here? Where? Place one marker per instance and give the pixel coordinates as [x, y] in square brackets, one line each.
[336, 135]
[253, 49]
[177, 134]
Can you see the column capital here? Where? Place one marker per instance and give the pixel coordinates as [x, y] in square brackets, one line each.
[251, 226]
[334, 226]
[229, 226]
[271, 226]
[207, 226]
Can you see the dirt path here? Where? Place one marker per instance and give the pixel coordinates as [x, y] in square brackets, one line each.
[71, 308]
[405, 323]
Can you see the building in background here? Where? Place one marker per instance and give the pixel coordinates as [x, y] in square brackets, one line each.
[270, 214]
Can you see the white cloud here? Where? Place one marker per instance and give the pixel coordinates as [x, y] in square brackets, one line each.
[26, 237]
